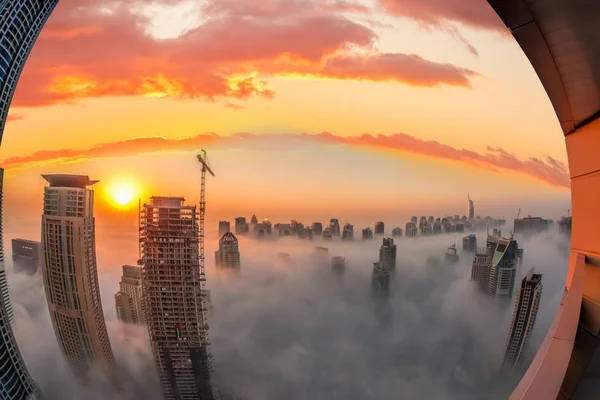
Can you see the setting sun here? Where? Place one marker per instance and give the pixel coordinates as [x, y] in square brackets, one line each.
[122, 193]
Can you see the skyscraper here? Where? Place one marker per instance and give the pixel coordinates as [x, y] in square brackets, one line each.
[70, 273]
[379, 228]
[380, 282]
[172, 290]
[128, 300]
[531, 225]
[367, 233]
[480, 270]
[20, 24]
[523, 322]
[348, 232]
[228, 254]
[470, 242]
[338, 265]
[503, 270]
[224, 227]
[334, 227]
[317, 228]
[470, 209]
[387, 254]
[26, 256]
[241, 226]
[15, 382]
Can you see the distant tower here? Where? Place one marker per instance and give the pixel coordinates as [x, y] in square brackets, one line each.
[241, 226]
[523, 322]
[253, 220]
[451, 254]
[470, 243]
[26, 256]
[128, 300]
[397, 232]
[379, 228]
[317, 228]
[228, 254]
[224, 227]
[503, 270]
[482, 264]
[334, 227]
[471, 209]
[380, 282]
[367, 233]
[327, 234]
[348, 232]
[70, 273]
[15, 382]
[387, 254]
[338, 265]
[172, 279]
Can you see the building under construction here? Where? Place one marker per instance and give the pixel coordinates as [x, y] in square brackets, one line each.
[173, 291]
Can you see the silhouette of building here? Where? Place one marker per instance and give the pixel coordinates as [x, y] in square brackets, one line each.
[482, 264]
[128, 300]
[241, 226]
[224, 227]
[470, 209]
[397, 232]
[411, 229]
[317, 228]
[414, 220]
[426, 229]
[338, 265]
[367, 233]
[526, 308]
[321, 255]
[15, 382]
[253, 220]
[263, 229]
[173, 297]
[379, 228]
[327, 234]
[531, 225]
[470, 242]
[387, 254]
[348, 232]
[334, 227]
[70, 273]
[564, 225]
[26, 256]
[451, 254]
[380, 282]
[228, 254]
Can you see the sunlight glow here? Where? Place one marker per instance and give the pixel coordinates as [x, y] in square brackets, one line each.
[122, 193]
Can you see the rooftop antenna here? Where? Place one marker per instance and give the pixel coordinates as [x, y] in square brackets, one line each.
[512, 233]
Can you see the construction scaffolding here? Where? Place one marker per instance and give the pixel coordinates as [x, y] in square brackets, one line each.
[173, 290]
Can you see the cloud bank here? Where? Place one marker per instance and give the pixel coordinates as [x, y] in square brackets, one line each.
[102, 48]
[545, 169]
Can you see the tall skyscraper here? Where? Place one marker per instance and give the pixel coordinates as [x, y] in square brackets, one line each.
[26, 256]
[523, 322]
[503, 270]
[470, 209]
[379, 228]
[470, 242]
[531, 225]
[348, 232]
[228, 254]
[70, 273]
[397, 232]
[173, 298]
[241, 226]
[128, 300]
[367, 233]
[338, 265]
[224, 227]
[15, 382]
[317, 228]
[334, 227]
[380, 282]
[482, 264]
[20, 24]
[387, 254]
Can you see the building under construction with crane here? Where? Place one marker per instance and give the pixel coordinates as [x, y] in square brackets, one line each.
[173, 291]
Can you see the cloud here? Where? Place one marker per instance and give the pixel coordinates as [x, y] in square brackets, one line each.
[102, 48]
[14, 117]
[447, 16]
[234, 106]
[546, 169]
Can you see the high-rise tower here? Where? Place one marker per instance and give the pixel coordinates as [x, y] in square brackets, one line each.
[20, 24]
[70, 273]
[503, 269]
[15, 382]
[387, 254]
[525, 313]
[228, 254]
[128, 300]
[173, 297]
[471, 209]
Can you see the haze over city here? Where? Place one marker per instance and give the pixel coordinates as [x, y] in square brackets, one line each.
[295, 112]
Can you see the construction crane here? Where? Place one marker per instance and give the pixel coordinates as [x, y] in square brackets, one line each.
[512, 233]
[203, 159]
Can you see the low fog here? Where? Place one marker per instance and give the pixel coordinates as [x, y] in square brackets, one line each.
[295, 330]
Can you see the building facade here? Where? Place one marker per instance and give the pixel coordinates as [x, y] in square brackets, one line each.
[348, 232]
[228, 254]
[387, 254]
[128, 300]
[523, 322]
[173, 298]
[21, 22]
[241, 226]
[470, 209]
[70, 273]
[26, 256]
[380, 282]
[503, 270]
[470, 242]
[15, 382]
[334, 227]
[531, 225]
[367, 233]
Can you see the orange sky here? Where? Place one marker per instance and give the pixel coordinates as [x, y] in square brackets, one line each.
[422, 101]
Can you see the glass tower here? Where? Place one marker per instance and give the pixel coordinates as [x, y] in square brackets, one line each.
[20, 24]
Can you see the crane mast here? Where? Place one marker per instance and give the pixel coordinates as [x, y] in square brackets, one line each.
[202, 158]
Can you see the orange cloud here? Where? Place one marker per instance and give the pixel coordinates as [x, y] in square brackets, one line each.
[86, 51]
[548, 169]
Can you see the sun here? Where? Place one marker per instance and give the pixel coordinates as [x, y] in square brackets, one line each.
[122, 193]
